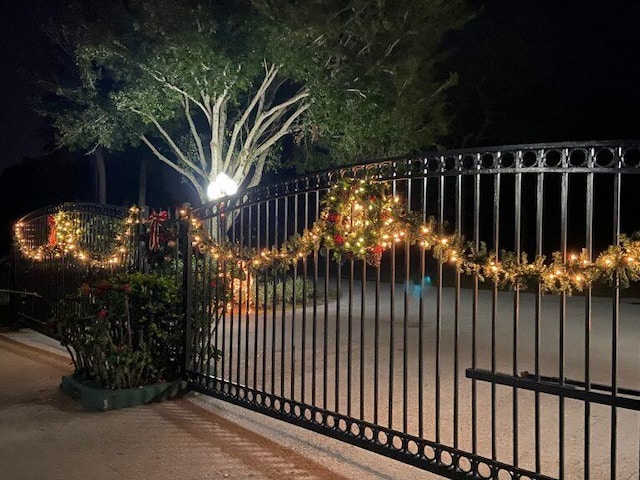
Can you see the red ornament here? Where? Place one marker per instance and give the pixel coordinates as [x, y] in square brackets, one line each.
[333, 216]
[339, 239]
[374, 255]
[103, 313]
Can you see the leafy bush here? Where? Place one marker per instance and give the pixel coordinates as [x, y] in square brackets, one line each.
[288, 291]
[124, 332]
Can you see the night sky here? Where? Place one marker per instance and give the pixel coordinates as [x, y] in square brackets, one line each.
[549, 71]
[22, 48]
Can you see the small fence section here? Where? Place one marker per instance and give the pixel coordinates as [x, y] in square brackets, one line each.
[412, 359]
[5, 285]
[60, 247]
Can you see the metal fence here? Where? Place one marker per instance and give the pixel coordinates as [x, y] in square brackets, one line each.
[44, 282]
[423, 364]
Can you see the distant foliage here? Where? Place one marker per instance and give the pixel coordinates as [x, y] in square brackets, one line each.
[292, 292]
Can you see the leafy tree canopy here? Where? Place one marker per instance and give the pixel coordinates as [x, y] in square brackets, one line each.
[386, 94]
[214, 87]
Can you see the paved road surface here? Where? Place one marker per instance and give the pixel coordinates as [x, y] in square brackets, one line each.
[46, 435]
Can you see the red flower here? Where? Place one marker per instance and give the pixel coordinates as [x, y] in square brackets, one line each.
[125, 288]
[103, 313]
[339, 239]
[213, 284]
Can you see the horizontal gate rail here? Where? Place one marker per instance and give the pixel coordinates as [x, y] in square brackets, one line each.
[553, 386]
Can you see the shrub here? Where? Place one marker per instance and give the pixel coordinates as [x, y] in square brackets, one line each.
[124, 332]
[289, 291]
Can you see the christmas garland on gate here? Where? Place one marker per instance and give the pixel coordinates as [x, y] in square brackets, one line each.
[360, 219]
[63, 240]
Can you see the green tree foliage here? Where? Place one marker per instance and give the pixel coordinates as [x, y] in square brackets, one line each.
[386, 69]
[212, 87]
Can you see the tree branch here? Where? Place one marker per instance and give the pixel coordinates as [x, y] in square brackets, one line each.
[217, 133]
[222, 127]
[270, 75]
[196, 185]
[274, 114]
[263, 122]
[194, 133]
[257, 172]
[296, 98]
[283, 130]
[162, 79]
[172, 144]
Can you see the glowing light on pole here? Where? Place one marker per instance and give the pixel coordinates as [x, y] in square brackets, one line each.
[221, 186]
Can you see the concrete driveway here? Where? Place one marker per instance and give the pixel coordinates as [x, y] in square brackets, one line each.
[46, 435]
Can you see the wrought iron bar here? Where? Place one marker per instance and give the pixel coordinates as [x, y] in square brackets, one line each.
[539, 385]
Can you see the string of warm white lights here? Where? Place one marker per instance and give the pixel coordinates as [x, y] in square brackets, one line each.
[64, 240]
[360, 220]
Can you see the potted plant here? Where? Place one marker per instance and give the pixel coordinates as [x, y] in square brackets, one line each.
[124, 335]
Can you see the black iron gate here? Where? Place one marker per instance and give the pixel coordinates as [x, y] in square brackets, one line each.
[417, 361]
[42, 278]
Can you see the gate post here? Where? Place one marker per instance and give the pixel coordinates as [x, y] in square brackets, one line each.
[185, 250]
[12, 321]
[142, 251]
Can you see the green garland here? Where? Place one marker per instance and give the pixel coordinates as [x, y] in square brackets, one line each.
[65, 232]
[360, 219]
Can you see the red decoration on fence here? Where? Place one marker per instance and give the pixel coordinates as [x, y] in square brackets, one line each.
[155, 220]
[53, 231]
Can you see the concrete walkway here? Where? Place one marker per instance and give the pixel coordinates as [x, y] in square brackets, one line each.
[44, 434]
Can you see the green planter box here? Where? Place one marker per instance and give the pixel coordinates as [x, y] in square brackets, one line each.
[104, 399]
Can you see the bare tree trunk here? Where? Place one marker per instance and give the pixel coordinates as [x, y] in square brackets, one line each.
[142, 184]
[101, 176]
